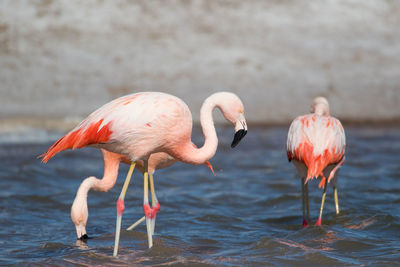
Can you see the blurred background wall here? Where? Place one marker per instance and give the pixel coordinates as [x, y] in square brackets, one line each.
[63, 59]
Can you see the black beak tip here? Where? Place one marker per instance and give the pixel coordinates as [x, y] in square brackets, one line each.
[84, 237]
[238, 136]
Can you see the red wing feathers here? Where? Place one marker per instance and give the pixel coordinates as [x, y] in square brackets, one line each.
[315, 163]
[79, 138]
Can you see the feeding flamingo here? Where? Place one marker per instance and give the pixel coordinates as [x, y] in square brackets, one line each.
[316, 144]
[142, 124]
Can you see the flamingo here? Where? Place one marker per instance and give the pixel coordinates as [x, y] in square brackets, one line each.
[316, 144]
[137, 126]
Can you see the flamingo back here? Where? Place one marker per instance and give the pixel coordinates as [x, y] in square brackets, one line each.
[317, 141]
[134, 125]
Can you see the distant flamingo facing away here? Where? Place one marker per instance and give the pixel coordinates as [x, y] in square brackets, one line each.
[140, 125]
[316, 144]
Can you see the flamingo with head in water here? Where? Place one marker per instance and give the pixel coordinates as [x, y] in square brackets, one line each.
[140, 125]
[316, 145]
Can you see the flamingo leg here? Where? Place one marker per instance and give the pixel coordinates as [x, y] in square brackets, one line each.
[307, 202]
[121, 207]
[154, 209]
[136, 223]
[305, 222]
[336, 199]
[154, 204]
[319, 221]
[146, 207]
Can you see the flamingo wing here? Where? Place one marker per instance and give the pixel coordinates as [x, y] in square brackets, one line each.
[317, 141]
[79, 137]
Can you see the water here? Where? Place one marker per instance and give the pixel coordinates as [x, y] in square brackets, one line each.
[248, 214]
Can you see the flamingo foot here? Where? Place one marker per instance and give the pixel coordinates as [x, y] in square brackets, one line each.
[318, 222]
[305, 223]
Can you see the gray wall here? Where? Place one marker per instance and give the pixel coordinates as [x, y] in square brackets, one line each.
[65, 58]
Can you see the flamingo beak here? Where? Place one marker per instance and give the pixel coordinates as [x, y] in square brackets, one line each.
[81, 232]
[241, 130]
[238, 136]
[84, 237]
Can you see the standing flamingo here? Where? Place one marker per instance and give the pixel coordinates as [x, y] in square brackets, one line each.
[139, 125]
[316, 144]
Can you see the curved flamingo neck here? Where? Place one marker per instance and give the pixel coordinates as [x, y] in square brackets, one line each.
[85, 187]
[111, 165]
[79, 209]
[188, 153]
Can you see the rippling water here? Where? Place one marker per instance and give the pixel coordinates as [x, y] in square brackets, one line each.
[248, 214]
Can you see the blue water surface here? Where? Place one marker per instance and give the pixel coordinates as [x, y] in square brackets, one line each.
[249, 213]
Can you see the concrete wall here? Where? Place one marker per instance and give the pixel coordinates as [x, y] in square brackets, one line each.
[65, 58]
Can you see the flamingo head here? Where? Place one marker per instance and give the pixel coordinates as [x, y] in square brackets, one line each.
[79, 216]
[320, 106]
[233, 110]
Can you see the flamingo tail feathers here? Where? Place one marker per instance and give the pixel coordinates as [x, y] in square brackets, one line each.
[79, 138]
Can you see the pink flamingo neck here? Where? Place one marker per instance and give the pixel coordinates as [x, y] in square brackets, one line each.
[111, 165]
[188, 153]
[79, 209]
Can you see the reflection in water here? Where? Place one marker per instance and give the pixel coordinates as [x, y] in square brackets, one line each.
[294, 244]
[82, 245]
[362, 224]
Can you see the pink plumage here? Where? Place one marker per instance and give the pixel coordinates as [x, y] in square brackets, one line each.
[316, 145]
[317, 141]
